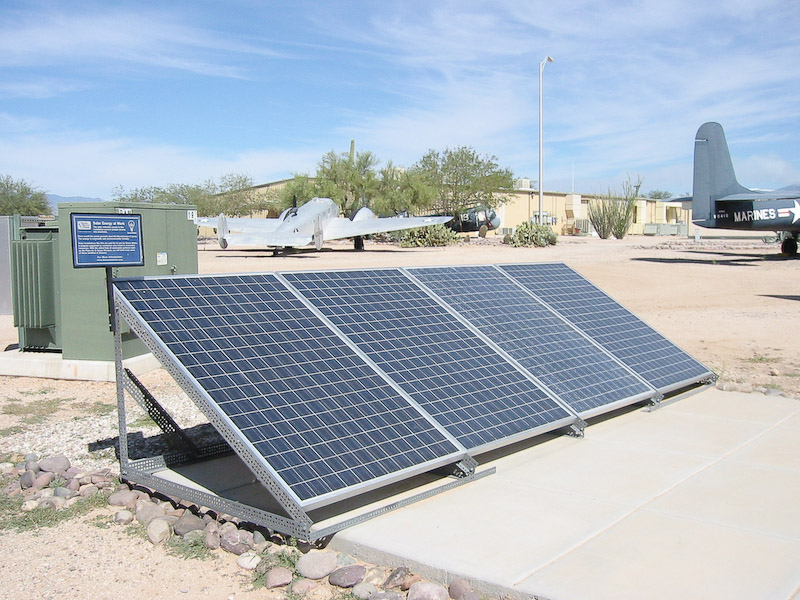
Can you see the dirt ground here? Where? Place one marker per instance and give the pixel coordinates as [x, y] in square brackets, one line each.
[733, 304]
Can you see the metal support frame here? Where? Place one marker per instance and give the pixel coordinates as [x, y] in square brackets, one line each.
[174, 434]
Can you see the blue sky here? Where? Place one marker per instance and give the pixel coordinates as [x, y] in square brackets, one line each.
[95, 95]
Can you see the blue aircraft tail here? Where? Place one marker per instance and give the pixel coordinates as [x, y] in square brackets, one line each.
[713, 172]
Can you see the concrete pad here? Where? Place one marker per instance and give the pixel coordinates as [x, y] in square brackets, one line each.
[658, 557]
[51, 365]
[694, 500]
[741, 495]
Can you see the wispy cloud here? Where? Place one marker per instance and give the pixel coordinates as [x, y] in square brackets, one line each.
[137, 37]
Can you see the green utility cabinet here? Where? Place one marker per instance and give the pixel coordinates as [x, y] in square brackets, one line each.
[60, 307]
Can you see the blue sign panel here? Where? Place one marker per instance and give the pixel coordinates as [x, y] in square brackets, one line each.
[107, 240]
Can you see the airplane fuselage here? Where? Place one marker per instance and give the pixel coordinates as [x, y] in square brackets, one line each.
[755, 215]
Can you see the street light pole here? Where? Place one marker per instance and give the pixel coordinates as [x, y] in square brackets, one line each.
[541, 139]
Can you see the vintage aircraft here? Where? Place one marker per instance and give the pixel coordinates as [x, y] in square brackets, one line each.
[474, 218]
[311, 223]
[719, 201]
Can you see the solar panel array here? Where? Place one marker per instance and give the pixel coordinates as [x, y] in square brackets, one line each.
[339, 381]
[660, 362]
[578, 371]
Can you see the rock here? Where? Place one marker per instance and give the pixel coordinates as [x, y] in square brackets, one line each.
[396, 578]
[248, 561]
[258, 537]
[54, 464]
[316, 564]
[123, 497]
[236, 542]
[459, 587]
[123, 517]
[66, 493]
[424, 590]
[158, 530]
[345, 560]
[147, 511]
[73, 484]
[32, 456]
[347, 577]
[88, 491]
[376, 576]
[774, 372]
[26, 479]
[302, 587]
[211, 534]
[211, 539]
[188, 522]
[364, 590]
[277, 577]
[44, 479]
[29, 505]
[409, 581]
[32, 465]
[227, 527]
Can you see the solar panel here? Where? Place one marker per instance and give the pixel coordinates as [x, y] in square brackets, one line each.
[578, 371]
[470, 389]
[649, 354]
[311, 410]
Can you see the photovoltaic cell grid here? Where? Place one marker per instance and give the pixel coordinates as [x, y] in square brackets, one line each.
[474, 393]
[580, 373]
[657, 360]
[316, 412]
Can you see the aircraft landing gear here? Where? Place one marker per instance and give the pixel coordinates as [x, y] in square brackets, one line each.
[358, 242]
[789, 246]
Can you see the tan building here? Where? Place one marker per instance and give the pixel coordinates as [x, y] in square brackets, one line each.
[568, 214]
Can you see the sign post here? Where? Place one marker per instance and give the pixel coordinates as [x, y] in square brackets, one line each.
[107, 240]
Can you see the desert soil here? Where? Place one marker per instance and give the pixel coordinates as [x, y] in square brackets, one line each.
[733, 304]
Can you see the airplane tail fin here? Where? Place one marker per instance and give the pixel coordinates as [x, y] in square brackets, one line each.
[713, 172]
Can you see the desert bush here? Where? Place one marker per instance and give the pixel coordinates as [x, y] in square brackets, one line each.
[528, 234]
[433, 235]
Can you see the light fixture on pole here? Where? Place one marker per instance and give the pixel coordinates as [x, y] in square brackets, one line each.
[541, 141]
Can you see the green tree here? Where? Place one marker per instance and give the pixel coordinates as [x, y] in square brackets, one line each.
[463, 179]
[401, 190]
[18, 197]
[347, 178]
[659, 195]
[233, 194]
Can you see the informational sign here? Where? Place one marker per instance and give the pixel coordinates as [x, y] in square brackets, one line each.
[101, 240]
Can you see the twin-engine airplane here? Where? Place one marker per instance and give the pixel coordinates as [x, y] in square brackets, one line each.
[719, 201]
[311, 223]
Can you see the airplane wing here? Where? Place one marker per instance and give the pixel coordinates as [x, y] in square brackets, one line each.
[246, 232]
[345, 228]
[758, 196]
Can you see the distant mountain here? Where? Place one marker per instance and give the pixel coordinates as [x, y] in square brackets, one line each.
[54, 200]
[790, 188]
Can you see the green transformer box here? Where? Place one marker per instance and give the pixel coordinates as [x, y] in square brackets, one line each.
[58, 307]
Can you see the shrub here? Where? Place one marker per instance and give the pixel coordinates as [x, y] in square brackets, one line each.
[528, 234]
[433, 235]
